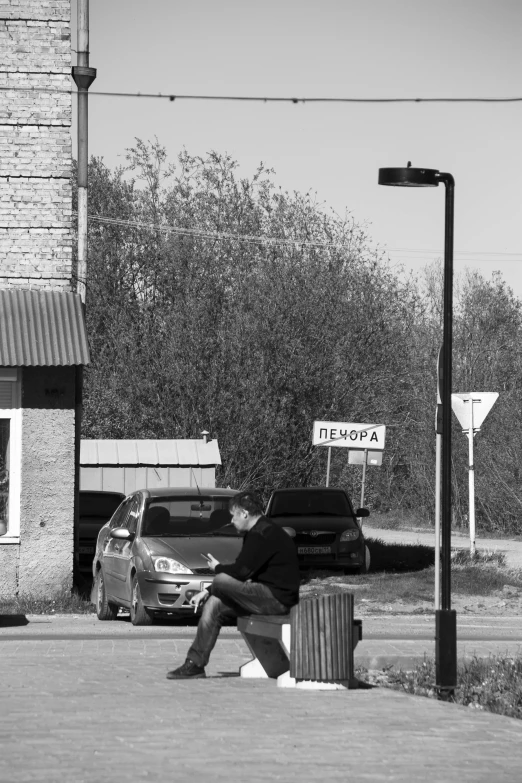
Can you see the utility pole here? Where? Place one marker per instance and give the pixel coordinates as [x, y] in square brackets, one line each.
[83, 77]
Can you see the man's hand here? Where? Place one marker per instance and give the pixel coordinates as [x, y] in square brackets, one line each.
[212, 562]
[198, 598]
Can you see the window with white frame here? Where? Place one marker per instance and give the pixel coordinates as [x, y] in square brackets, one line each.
[10, 455]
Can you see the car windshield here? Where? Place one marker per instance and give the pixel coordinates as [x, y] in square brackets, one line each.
[316, 503]
[188, 516]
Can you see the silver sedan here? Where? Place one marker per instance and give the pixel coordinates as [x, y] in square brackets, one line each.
[150, 556]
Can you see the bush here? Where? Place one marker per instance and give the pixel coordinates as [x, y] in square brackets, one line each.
[493, 684]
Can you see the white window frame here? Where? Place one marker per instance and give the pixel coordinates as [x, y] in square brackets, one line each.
[14, 414]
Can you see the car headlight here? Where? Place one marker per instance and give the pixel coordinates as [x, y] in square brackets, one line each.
[349, 535]
[168, 566]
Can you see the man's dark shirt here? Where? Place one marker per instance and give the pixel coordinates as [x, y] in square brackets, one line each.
[269, 557]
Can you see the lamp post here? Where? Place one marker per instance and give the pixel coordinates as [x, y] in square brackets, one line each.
[445, 617]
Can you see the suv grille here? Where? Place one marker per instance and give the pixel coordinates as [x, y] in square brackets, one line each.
[322, 539]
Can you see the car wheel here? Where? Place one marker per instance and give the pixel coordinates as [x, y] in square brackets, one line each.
[104, 610]
[362, 569]
[138, 614]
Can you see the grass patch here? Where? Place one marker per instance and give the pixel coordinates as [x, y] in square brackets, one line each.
[66, 602]
[493, 684]
[404, 574]
[482, 579]
[482, 557]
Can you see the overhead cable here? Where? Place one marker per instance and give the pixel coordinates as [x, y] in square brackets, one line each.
[264, 99]
[252, 239]
[217, 235]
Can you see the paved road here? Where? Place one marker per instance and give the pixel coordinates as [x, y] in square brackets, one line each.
[84, 711]
[398, 641]
[512, 549]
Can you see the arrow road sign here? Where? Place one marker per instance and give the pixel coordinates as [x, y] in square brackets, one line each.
[476, 404]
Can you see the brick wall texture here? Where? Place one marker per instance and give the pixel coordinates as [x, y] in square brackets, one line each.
[36, 253]
[35, 144]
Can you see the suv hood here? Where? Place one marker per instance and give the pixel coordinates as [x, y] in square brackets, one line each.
[319, 522]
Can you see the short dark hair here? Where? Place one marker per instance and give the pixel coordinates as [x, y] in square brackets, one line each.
[248, 501]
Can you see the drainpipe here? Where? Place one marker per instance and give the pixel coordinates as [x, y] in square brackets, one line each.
[83, 77]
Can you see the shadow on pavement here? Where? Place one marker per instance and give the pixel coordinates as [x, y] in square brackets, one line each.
[399, 557]
[11, 620]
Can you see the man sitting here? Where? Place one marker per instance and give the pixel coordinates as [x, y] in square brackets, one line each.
[263, 580]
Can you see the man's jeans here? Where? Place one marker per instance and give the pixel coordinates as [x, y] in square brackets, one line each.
[230, 599]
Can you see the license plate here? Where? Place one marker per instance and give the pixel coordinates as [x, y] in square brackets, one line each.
[313, 550]
[204, 585]
[86, 550]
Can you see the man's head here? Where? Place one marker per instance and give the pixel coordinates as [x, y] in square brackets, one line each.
[246, 509]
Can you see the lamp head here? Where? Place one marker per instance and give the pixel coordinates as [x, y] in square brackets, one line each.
[409, 178]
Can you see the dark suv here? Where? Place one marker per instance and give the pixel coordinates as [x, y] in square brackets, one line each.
[324, 526]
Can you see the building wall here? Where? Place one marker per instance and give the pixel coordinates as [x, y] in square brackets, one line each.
[36, 253]
[35, 145]
[42, 563]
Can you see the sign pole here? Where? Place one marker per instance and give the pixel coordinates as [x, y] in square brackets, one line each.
[438, 445]
[471, 409]
[328, 466]
[471, 486]
[364, 476]
[438, 463]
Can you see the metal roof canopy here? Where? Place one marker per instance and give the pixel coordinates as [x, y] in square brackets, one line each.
[42, 328]
[149, 452]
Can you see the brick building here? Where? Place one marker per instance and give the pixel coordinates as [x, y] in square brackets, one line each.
[42, 333]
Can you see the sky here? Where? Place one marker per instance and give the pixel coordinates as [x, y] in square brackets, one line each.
[342, 49]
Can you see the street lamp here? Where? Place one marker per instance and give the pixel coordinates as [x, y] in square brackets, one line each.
[445, 618]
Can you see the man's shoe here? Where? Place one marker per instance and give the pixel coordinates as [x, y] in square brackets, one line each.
[187, 671]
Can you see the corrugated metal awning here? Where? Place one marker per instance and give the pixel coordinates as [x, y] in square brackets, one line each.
[42, 328]
[149, 452]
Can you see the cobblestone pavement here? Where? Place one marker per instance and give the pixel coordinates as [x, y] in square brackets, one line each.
[78, 711]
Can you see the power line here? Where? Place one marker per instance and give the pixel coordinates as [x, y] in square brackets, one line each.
[459, 252]
[256, 240]
[265, 99]
[465, 255]
[217, 235]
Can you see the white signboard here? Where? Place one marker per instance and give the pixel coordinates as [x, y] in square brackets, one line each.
[358, 457]
[348, 435]
[477, 403]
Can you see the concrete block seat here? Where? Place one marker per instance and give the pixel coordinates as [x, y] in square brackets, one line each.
[311, 647]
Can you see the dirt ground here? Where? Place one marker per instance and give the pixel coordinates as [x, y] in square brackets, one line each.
[505, 602]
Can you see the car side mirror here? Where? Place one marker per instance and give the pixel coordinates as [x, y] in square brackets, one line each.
[362, 512]
[290, 531]
[122, 533]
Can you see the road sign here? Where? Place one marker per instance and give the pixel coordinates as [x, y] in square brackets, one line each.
[348, 435]
[471, 410]
[472, 406]
[358, 457]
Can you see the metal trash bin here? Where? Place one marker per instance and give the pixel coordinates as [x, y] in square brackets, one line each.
[323, 638]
